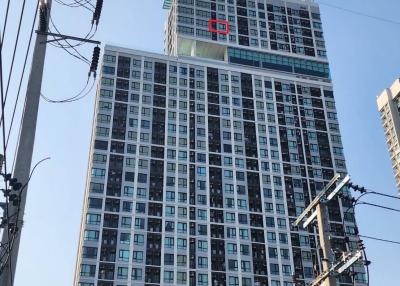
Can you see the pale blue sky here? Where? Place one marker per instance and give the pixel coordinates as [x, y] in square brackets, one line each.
[364, 60]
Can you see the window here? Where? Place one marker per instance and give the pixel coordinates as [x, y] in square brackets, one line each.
[230, 217]
[182, 197]
[169, 226]
[304, 240]
[271, 237]
[122, 273]
[242, 204]
[202, 246]
[169, 242]
[127, 206]
[231, 248]
[231, 232]
[283, 239]
[245, 266]
[274, 269]
[137, 256]
[181, 277]
[281, 223]
[89, 252]
[272, 252]
[139, 223]
[125, 238]
[182, 227]
[286, 270]
[87, 270]
[126, 222]
[181, 260]
[201, 214]
[202, 262]
[138, 239]
[285, 253]
[246, 282]
[244, 234]
[202, 279]
[141, 193]
[280, 208]
[93, 219]
[96, 187]
[269, 222]
[137, 274]
[91, 235]
[98, 173]
[232, 265]
[169, 211]
[168, 276]
[168, 259]
[182, 243]
[233, 281]
[201, 171]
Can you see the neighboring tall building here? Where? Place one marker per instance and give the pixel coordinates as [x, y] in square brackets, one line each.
[201, 159]
[389, 107]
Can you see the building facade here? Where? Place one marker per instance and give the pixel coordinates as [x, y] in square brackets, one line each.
[389, 107]
[202, 158]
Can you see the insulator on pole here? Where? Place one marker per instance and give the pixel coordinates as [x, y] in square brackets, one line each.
[97, 12]
[95, 61]
[43, 18]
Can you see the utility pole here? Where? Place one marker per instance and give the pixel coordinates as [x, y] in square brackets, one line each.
[26, 143]
[325, 243]
[318, 209]
[17, 194]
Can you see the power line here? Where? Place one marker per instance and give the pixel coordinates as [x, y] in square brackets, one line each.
[88, 36]
[380, 239]
[5, 153]
[77, 97]
[69, 44]
[356, 202]
[22, 75]
[77, 4]
[360, 13]
[383, 195]
[5, 24]
[67, 51]
[378, 206]
[14, 52]
[79, 56]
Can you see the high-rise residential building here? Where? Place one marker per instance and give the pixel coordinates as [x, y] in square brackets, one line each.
[389, 107]
[202, 158]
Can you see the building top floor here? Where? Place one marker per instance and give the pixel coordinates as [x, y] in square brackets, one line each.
[388, 95]
[287, 27]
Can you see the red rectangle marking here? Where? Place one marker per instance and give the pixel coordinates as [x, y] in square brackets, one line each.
[211, 23]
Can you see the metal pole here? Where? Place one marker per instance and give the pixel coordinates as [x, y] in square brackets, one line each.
[324, 233]
[25, 144]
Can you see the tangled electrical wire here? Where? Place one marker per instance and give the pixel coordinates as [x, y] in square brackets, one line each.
[82, 94]
[78, 4]
[357, 201]
[64, 44]
[11, 223]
